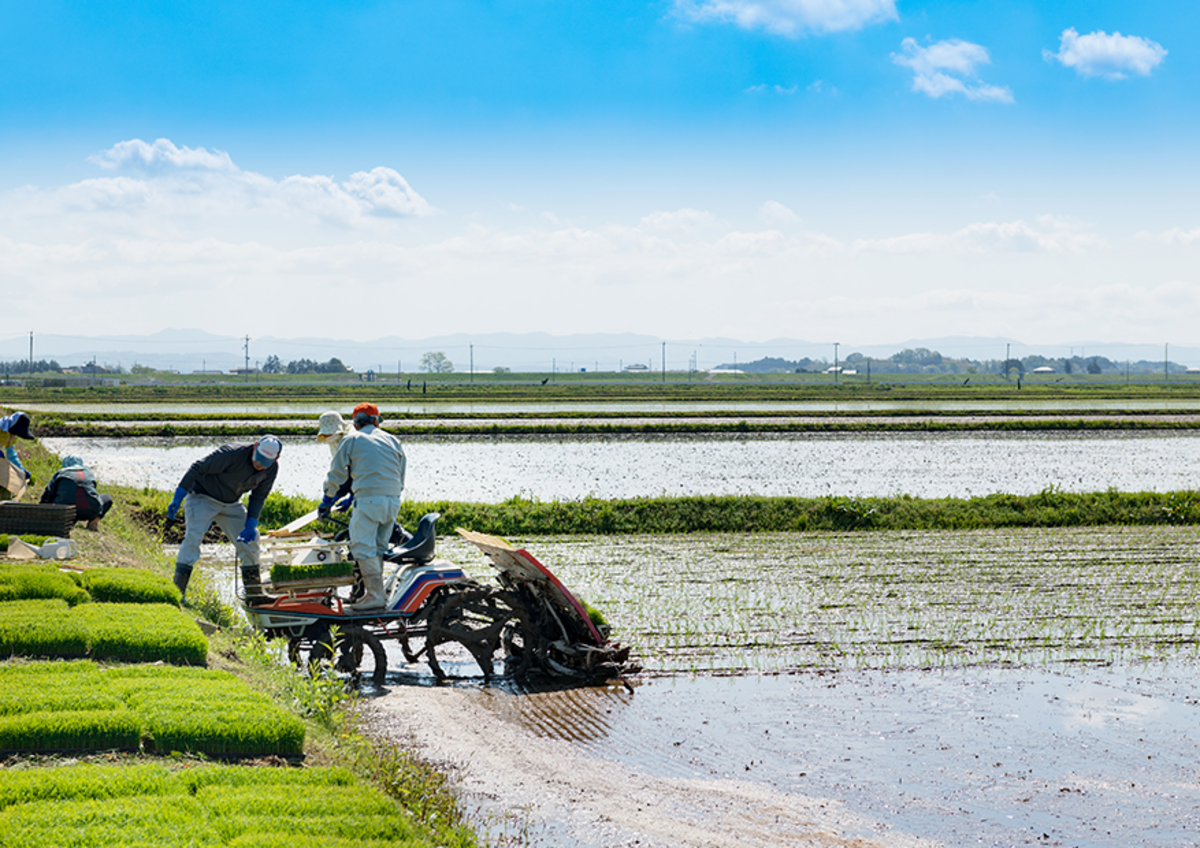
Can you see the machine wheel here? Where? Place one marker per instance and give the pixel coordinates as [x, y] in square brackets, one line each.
[316, 638]
[350, 649]
[476, 619]
[354, 640]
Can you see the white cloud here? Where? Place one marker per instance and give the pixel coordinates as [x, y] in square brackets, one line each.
[165, 186]
[988, 237]
[776, 214]
[684, 220]
[791, 17]
[1175, 235]
[1112, 57]
[161, 155]
[949, 67]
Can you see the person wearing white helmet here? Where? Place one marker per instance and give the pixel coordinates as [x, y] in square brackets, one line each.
[213, 487]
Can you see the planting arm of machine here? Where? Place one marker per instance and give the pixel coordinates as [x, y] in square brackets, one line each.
[555, 635]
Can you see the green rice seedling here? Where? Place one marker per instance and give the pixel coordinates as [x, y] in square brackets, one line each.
[84, 781]
[282, 572]
[129, 586]
[41, 629]
[142, 633]
[28, 693]
[28, 580]
[318, 778]
[258, 839]
[138, 821]
[75, 730]
[209, 712]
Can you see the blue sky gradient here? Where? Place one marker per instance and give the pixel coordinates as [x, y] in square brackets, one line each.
[860, 169]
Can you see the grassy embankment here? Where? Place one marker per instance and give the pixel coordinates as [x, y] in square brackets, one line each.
[410, 803]
[746, 514]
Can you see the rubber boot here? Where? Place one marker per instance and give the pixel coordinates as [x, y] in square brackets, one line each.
[183, 573]
[252, 583]
[372, 572]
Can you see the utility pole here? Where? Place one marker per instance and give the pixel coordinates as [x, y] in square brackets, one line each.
[31, 353]
[664, 362]
[835, 361]
[1007, 359]
[246, 348]
[472, 363]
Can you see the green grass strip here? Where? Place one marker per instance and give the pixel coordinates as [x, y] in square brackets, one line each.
[735, 514]
[520, 516]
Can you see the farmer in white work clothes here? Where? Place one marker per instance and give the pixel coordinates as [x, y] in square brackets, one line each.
[374, 463]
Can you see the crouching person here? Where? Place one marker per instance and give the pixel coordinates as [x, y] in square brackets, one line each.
[75, 485]
[374, 463]
[211, 490]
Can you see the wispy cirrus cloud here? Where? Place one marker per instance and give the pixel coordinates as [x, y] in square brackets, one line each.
[950, 67]
[1112, 57]
[790, 18]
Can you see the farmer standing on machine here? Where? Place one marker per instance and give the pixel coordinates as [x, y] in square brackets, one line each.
[374, 462]
[213, 487]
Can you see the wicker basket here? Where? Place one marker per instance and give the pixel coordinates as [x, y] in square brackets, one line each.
[36, 519]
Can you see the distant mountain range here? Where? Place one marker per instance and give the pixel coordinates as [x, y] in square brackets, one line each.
[195, 350]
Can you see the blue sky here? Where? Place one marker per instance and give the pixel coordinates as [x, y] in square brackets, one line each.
[869, 170]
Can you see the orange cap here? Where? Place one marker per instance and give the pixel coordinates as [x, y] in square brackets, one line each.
[368, 408]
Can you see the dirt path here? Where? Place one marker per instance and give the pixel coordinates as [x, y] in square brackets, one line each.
[527, 754]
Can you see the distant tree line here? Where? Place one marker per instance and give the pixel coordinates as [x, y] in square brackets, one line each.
[924, 361]
[304, 366]
[40, 366]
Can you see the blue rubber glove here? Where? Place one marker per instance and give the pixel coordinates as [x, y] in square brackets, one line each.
[180, 494]
[344, 504]
[249, 532]
[325, 507]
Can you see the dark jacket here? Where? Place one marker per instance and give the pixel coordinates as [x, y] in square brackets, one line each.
[74, 486]
[228, 473]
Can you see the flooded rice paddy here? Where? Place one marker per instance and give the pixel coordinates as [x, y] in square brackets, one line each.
[420, 407]
[858, 465]
[995, 688]
[999, 687]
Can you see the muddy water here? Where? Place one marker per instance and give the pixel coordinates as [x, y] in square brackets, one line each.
[918, 464]
[997, 757]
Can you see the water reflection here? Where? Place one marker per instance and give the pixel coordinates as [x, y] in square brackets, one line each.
[929, 465]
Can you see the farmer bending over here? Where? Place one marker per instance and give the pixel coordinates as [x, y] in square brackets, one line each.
[75, 485]
[213, 487]
[374, 461]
